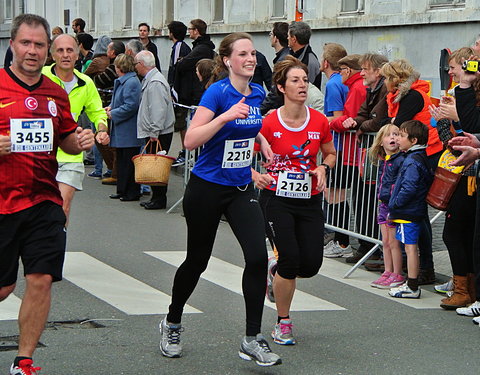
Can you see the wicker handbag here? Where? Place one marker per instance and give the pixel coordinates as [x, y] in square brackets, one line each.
[152, 169]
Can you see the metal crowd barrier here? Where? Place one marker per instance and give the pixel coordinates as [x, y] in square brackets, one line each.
[190, 156]
[352, 182]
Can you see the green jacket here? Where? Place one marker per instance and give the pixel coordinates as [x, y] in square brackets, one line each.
[84, 97]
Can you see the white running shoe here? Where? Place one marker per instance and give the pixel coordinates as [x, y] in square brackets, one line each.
[334, 250]
[259, 351]
[403, 291]
[445, 287]
[476, 320]
[472, 310]
[272, 265]
[25, 367]
[282, 333]
[330, 250]
[170, 344]
[346, 251]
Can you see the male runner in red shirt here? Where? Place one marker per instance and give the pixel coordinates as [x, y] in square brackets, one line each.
[35, 118]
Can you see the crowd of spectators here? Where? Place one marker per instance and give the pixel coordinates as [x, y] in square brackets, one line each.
[376, 112]
[361, 94]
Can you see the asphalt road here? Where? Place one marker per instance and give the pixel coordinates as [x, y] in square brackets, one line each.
[119, 274]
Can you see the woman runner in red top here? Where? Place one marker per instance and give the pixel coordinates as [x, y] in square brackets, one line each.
[290, 196]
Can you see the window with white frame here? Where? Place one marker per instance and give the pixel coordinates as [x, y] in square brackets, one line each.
[352, 6]
[92, 15]
[440, 3]
[278, 8]
[128, 14]
[218, 10]
[8, 9]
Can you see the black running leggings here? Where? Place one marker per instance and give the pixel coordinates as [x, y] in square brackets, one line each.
[296, 227]
[203, 204]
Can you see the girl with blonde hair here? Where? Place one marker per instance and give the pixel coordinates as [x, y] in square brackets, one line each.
[386, 154]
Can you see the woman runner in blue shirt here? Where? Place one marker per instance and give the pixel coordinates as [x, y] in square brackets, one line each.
[226, 124]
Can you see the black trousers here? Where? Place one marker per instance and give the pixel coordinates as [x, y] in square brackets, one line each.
[126, 185]
[159, 193]
[459, 228]
[203, 204]
[296, 227]
[476, 244]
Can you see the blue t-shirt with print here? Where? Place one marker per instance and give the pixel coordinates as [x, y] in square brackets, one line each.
[335, 97]
[219, 98]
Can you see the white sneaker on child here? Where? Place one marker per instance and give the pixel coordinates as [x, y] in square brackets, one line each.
[404, 291]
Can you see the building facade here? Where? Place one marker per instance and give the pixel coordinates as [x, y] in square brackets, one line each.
[413, 29]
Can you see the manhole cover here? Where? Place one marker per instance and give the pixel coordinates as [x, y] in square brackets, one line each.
[74, 324]
[11, 343]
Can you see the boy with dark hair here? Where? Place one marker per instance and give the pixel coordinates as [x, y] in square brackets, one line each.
[86, 40]
[177, 29]
[85, 43]
[408, 206]
[176, 33]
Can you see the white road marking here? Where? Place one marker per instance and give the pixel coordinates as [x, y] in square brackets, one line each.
[361, 279]
[118, 289]
[9, 308]
[134, 297]
[229, 276]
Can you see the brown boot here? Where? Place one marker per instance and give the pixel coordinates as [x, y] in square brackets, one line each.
[471, 287]
[109, 181]
[460, 296]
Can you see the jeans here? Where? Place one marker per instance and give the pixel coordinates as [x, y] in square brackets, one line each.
[97, 156]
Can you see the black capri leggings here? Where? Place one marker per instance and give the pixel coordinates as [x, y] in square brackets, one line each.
[296, 227]
[203, 204]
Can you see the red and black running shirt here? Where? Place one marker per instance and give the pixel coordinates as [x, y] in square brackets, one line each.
[28, 178]
[295, 149]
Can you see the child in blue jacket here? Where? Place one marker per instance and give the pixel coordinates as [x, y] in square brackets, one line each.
[407, 205]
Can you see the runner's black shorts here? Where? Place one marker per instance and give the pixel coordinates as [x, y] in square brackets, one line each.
[37, 236]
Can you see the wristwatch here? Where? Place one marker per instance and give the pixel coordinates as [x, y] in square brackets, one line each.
[327, 168]
[100, 131]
